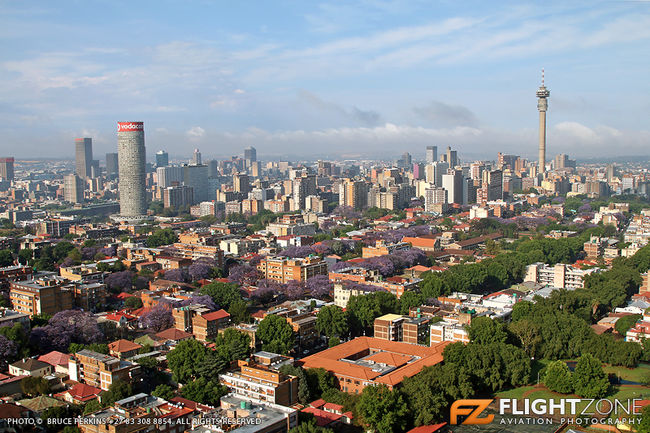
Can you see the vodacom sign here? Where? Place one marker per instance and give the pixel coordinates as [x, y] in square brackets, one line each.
[130, 126]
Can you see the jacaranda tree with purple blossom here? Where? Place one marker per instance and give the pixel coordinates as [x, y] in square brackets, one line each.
[119, 281]
[8, 352]
[158, 318]
[319, 286]
[200, 300]
[244, 275]
[178, 275]
[65, 327]
[199, 271]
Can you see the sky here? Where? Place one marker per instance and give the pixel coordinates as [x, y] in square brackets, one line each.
[307, 79]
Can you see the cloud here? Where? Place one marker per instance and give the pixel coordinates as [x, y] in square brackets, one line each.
[441, 114]
[195, 132]
[355, 114]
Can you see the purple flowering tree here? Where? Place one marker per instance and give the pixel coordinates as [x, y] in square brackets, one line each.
[293, 289]
[158, 318]
[178, 275]
[65, 327]
[199, 299]
[8, 351]
[244, 275]
[109, 251]
[199, 271]
[339, 265]
[297, 252]
[319, 286]
[119, 281]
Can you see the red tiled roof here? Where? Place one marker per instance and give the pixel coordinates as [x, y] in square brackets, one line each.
[317, 403]
[123, 345]
[84, 392]
[55, 358]
[122, 296]
[333, 407]
[173, 334]
[428, 428]
[215, 315]
[322, 418]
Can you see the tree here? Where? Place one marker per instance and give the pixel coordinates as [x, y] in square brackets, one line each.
[159, 318]
[589, 378]
[528, 334]
[644, 425]
[65, 327]
[319, 286]
[199, 271]
[483, 330]
[304, 393]
[237, 343]
[623, 324]
[184, 359]
[238, 311]
[276, 334]
[133, 302]
[8, 351]
[383, 410]
[410, 299]
[117, 391]
[223, 294]
[309, 427]
[119, 281]
[332, 321]
[6, 258]
[179, 275]
[26, 256]
[164, 391]
[558, 377]
[161, 237]
[204, 391]
[34, 386]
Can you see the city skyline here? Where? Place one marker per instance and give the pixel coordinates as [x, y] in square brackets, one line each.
[332, 80]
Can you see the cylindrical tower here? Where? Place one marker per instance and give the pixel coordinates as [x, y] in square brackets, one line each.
[542, 105]
[131, 155]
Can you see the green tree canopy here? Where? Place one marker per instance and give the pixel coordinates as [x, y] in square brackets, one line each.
[185, 358]
[589, 378]
[332, 321]
[276, 334]
[383, 410]
[558, 377]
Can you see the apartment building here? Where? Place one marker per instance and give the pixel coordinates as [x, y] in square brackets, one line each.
[367, 361]
[447, 331]
[40, 296]
[99, 370]
[383, 248]
[560, 275]
[194, 251]
[283, 269]
[394, 327]
[261, 382]
[201, 321]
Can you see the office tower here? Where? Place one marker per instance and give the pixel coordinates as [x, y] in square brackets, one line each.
[431, 154]
[406, 160]
[178, 196]
[493, 183]
[241, 183]
[169, 176]
[506, 161]
[418, 171]
[434, 172]
[131, 164]
[250, 155]
[95, 170]
[196, 157]
[611, 172]
[7, 168]
[73, 188]
[542, 105]
[162, 158]
[196, 177]
[111, 164]
[476, 170]
[452, 182]
[83, 156]
[451, 157]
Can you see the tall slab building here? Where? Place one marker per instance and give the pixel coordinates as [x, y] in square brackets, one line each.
[83, 156]
[131, 161]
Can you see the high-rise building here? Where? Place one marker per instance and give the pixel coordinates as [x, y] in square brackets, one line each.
[451, 157]
[7, 168]
[452, 182]
[73, 188]
[493, 183]
[406, 160]
[83, 156]
[435, 199]
[241, 183]
[303, 186]
[162, 158]
[131, 158]
[178, 196]
[169, 176]
[353, 193]
[111, 164]
[250, 155]
[506, 161]
[431, 154]
[196, 177]
[196, 157]
[542, 105]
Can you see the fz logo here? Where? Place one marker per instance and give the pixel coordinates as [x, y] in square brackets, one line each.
[470, 410]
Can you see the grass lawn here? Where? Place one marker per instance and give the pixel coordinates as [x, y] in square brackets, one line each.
[638, 374]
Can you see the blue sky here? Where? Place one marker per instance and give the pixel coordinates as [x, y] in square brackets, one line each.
[299, 78]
